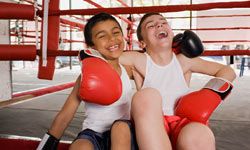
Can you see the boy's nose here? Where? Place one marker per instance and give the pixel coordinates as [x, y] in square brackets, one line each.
[159, 25]
[111, 37]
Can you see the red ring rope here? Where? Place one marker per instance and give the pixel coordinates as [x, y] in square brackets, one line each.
[17, 52]
[16, 11]
[161, 9]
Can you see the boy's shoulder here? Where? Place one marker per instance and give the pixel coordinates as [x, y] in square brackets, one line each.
[134, 55]
[182, 58]
[134, 52]
[185, 62]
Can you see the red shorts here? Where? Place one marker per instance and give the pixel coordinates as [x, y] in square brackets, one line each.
[173, 126]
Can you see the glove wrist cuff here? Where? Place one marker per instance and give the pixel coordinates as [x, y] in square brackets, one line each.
[89, 53]
[221, 86]
[48, 142]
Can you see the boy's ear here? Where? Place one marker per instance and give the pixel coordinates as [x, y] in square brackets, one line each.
[142, 44]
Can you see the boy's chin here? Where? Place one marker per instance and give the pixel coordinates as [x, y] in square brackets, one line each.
[165, 44]
[116, 55]
[163, 40]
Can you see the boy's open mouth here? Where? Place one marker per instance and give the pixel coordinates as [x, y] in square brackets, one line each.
[162, 34]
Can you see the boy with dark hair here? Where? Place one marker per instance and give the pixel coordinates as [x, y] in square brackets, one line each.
[167, 115]
[105, 113]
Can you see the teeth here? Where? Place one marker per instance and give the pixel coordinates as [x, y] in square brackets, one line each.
[162, 34]
[113, 47]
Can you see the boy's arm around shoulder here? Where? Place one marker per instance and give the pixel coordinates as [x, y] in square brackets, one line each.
[136, 66]
[66, 114]
[199, 65]
[135, 60]
[131, 58]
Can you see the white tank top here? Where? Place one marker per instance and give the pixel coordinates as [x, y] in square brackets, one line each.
[100, 118]
[168, 80]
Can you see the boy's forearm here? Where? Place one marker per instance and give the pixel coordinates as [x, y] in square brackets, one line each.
[58, 126]
[226, 73]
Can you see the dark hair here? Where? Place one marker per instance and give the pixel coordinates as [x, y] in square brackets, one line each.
[138, 31]
[92, 22]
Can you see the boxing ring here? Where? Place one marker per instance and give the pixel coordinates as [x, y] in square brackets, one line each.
[49, 15]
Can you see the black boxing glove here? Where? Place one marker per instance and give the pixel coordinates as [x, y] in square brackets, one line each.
[188, 43]
[49, 142]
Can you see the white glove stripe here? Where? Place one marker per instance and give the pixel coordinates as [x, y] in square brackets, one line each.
[218, 84]
[94, 53]
[42, 143]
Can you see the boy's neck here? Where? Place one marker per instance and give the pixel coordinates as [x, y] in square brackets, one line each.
[115, 65]
[161, 57]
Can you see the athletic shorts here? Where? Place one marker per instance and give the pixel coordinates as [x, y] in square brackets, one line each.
[173, 126]
[101, 141]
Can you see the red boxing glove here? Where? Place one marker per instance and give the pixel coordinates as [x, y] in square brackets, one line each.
[176, 41]
[199, 105]
[100, 83]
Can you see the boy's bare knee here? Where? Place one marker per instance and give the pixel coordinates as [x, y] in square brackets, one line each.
[120, 136]
[81, 144]
[147, 92]
[196, 136]
[146, 99]
[120, 128]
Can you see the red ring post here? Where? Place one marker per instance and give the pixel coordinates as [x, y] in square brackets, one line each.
[47, 72]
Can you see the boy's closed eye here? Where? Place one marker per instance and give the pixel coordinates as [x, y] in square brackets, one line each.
[100, 35]
[117, 32]
[150, 25]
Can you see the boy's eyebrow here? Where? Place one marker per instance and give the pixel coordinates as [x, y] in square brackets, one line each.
[116, 28]
[148, 22]
[153, 21]
[102, 31]
[163, 19]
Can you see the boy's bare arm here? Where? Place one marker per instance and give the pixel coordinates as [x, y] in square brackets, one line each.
[128, 58]
[226, 72]
[199, 65]
[67, 112]
[138, 78]
[214, 69]
[135, 60]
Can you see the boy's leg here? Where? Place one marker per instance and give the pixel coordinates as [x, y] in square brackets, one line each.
[81, 144]
[196, 136]
[123, 136]
[148, 118]
[88, 140]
